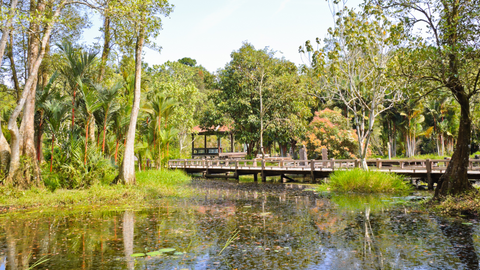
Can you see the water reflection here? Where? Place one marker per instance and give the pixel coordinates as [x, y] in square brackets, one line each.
[236, 226]
[128, 232]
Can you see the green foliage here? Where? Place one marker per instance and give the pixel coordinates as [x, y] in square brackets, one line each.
[252, 74]
[71, 172]
[188, 61]
[331, 130]
[150, 186]
[358, 180]
[167, 179]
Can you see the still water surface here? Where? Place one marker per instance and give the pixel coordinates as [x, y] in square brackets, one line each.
[243, 226]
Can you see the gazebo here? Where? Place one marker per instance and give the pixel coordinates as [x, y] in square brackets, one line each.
[219, 131]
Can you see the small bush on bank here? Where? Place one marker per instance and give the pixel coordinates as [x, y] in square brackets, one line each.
[358, 180]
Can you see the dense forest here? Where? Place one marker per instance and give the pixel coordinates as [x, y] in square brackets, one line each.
[391, 79]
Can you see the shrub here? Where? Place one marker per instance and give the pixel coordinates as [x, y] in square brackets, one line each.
[330, 129]
[358, 180]
[71, 171]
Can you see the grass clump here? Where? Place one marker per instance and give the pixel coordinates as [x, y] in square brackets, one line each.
[358, 180]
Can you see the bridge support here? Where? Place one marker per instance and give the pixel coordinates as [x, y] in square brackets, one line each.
[312, 171]
[428, 165]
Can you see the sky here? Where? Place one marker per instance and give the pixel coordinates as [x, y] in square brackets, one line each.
[208, 31]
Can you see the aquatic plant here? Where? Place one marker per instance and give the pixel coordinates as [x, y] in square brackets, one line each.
[232, 238]
[371, 181]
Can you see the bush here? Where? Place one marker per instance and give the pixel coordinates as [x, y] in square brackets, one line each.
[330, 129]
[70, 171]
[358, 180]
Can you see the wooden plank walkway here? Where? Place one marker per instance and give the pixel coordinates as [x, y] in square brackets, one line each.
[429, 170]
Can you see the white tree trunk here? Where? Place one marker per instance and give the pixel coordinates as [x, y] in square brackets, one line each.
[12, 122]
[127, 169]
[6, 29]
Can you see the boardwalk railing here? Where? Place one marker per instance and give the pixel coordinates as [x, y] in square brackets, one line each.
[418, 164]
[426, 168]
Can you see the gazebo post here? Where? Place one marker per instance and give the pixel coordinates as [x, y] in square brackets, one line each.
[219, 143]
[193, 143]
[205, 144]
[232, 143]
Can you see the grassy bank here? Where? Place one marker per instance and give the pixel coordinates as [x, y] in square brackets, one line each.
[465, 204]
[150, 185]
[358, 180]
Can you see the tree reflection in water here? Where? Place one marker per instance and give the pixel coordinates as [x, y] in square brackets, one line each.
[128, 233]
[276, 230]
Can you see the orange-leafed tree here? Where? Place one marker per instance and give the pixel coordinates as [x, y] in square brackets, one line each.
[330, 129]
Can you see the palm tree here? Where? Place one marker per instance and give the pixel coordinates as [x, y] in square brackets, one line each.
[166, 136]
[91, 104]
[55, 113]
[107, 97]
[75, 69]
[41, 97]
[160, 106]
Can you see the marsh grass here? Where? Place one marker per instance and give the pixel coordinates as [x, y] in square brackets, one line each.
[358, 180]
[151, 185]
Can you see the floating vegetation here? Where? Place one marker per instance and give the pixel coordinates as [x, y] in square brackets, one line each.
[138, 255]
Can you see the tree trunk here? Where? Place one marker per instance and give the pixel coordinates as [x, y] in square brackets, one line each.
[86, 140]
[4, 152]
[6, 29]
[16, 84]
[91, 129]
[455, 179]
[51, 157]
[106, 48]
[104, 130]
[13, 174]
[39, 138]
[127, 169]
[116, 152]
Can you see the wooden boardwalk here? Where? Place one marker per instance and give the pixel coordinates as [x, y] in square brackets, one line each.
[428, 170]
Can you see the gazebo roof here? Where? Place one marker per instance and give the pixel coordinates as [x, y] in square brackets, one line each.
[212, 130]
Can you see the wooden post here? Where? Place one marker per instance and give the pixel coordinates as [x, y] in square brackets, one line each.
[255, 177]
[428, 164]
[332, 164]
[264, 178]
[379, 163]
[219, 144]
[206, 163]
[324, 156]
[193, 143]
[312, 172]
[232, 143]
[205, 144]
[236, 170]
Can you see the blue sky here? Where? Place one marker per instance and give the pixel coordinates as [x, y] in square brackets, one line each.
[209, 31]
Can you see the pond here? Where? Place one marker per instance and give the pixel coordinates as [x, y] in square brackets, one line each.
[243, 226]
